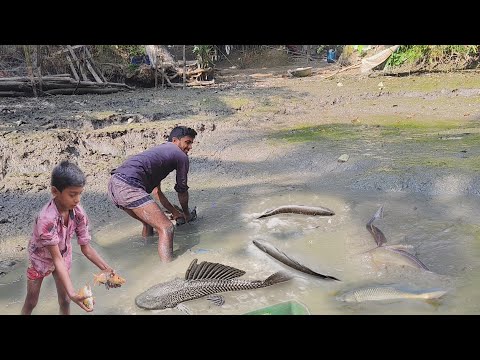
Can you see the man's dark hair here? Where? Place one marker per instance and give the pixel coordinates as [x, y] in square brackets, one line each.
[67, 174]
[181, 131]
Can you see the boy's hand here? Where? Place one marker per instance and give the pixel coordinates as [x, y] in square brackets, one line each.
[110, 273]
[77, 299]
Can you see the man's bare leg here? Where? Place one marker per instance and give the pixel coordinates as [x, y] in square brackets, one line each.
[147, 230]
[152, 215]
[33, 292]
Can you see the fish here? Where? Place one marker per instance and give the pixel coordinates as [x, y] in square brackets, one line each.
[378, 293]
[298, 209]
[389, 253]
[193, 217]
[110, 280]
[287, 260]
[181, 221]
[200, 280]
[377, 234]
[87, 291]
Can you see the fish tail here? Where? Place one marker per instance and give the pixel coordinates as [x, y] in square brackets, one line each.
[378, 215]
[276, 278]
[433, 294]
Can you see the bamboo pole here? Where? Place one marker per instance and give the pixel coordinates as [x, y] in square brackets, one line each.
[39, 67]
[161, 64]
[28, 60]
[184, 68]
[156, 66]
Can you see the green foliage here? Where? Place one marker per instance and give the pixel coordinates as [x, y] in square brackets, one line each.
[407, 54]
[131, 50]
[117, 53]
[132, 67]
[204, 54]
[432, 54]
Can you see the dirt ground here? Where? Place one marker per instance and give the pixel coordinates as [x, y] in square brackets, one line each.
[415, 134]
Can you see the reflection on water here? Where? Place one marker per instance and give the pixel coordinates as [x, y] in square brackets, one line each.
[443, 232]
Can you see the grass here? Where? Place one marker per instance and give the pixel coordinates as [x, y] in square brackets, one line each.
[235, 103]
[469, 164]
[305, 133]
[389, 128]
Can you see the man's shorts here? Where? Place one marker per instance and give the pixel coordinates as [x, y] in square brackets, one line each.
[125, 194]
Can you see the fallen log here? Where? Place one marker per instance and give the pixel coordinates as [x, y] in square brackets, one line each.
[79, 91]
[195, 83]
[12, 94]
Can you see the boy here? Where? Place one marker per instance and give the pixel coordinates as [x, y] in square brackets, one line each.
[50, 247]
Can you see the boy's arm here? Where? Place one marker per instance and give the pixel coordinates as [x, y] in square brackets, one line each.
[92, 255]
[83, 239]
[64, 277]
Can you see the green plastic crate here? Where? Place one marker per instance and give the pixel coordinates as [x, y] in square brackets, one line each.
[284, 308]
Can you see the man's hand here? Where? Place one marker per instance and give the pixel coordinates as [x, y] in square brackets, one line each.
[177, 214]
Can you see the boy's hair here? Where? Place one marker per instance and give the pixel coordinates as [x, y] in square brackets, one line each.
[67, 174]
[181, 131]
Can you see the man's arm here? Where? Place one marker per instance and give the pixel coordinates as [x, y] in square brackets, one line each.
[65, 278]
[183, 199]
[165, 203]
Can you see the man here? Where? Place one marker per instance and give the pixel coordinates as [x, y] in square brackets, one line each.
[131, 184]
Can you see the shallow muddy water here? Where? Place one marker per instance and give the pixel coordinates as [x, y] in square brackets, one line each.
[443, 232]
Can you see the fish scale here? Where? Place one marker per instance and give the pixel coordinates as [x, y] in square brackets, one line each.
[376, 293]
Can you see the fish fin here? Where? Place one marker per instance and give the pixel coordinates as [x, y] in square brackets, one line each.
[192, 265]
[334, 293]
[216, 299]
[183, 308]
[400, 247]
[378, 235]
[204, 270]
[377, 215]
[278, 277]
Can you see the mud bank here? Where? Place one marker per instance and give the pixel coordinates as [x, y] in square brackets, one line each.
[416, 134]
